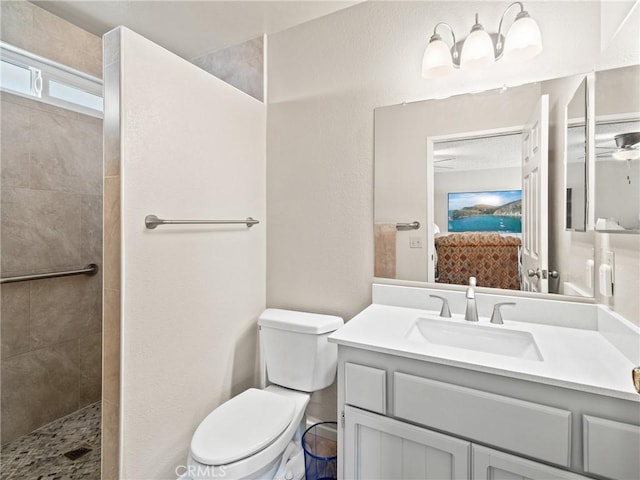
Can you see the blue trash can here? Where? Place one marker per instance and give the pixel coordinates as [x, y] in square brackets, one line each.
[320, 453]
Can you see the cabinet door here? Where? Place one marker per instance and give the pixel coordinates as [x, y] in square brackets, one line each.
[491, 464]
[378, 447]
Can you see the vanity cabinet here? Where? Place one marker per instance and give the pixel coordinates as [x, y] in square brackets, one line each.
[408, 418]
[378, 447]
[381, 448]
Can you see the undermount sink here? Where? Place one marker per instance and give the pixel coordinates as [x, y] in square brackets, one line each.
[471, 336]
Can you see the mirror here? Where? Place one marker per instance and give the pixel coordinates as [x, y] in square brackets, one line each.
[617, 146]
[576, 164]
[432, 155]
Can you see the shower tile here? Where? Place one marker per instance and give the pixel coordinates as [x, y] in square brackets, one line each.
[40, 454]
[40, 230]
[111, 346]
[59, 40]
[14, 124]
[38, 387]
[16, 18]
[90, 353]
[14, 319]
[66, 153]
[112, 231]
[110, 440]
[63, 309]
[91, 227]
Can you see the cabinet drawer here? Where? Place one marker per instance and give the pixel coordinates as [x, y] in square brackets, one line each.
[611, 448]
[528, 428]
[365, 387]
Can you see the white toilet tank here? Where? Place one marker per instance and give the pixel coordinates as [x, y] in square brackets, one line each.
[296, 351]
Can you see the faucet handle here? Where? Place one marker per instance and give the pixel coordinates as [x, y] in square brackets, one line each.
[496, 317]
[444, 311]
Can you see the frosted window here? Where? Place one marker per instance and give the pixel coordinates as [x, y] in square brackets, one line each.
[74, 95]
[15, 78]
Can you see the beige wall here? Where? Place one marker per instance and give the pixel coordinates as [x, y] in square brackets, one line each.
[325, 79]
[51, 219]
[189, 296]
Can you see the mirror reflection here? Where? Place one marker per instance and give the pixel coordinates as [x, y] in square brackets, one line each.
[478, 210]
[617, 147]
[576, 163]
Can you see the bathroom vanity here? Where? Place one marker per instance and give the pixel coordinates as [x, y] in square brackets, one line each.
[548, 394]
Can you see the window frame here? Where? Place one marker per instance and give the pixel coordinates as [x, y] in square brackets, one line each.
[43, 71]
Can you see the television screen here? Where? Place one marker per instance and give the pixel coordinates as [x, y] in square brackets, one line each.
[499, 211]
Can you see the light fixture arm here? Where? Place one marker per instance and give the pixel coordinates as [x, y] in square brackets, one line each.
[520, 15]
[436, 36]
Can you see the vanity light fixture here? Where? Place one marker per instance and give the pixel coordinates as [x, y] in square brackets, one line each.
[481, 48]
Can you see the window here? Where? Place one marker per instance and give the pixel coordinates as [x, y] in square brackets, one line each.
[28, 75]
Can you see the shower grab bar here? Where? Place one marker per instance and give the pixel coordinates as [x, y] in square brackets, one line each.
[152, 221]
[90, 269]
[408, 226]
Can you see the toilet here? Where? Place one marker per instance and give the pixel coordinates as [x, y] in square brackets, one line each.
[252, 435]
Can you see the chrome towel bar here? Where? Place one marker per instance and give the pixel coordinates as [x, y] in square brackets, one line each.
[152, 221]
[90, 269]
[408, 226]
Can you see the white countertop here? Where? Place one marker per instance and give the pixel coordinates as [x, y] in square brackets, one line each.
[576, 358]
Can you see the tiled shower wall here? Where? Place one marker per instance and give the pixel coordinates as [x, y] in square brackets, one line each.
[51, 212]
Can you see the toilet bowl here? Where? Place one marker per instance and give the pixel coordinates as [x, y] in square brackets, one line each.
[245, 437]
[253, 435]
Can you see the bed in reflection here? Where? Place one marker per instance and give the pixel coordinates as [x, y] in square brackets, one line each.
[490, 257]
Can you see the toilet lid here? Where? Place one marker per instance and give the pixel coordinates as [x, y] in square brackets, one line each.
[241, 426]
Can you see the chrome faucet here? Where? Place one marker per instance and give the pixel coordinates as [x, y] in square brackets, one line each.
[471, 315]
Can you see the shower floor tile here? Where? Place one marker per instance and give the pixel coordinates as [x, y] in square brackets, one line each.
[40, 454]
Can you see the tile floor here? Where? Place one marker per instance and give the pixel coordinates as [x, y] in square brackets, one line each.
[40, 454]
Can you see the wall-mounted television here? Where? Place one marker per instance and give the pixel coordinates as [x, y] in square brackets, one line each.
[493, 211]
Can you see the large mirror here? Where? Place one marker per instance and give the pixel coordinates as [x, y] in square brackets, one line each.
[495, 185]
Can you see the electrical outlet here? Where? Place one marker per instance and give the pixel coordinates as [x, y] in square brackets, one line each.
[415, 242]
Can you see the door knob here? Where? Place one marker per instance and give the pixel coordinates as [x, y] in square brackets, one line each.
[533, 273]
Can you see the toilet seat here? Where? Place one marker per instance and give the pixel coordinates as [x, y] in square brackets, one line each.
[241, 427]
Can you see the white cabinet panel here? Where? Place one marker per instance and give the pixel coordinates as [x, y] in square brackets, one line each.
[378, 447]
[491, 464]
[611, 449]
[366, 387]
[532, 429]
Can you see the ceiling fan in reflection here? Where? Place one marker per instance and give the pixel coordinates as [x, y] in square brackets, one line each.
[627, 147]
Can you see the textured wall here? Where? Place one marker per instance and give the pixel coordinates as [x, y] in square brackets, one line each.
[239, 65]
[190, 295]
[51, 219]
[325, 78]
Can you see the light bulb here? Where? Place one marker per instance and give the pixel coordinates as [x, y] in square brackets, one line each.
[523, 40]
[437, 59]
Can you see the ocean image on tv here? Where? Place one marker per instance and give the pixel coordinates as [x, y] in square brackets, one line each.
[499, 211]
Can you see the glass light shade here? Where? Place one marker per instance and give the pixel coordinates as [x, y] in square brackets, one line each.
[477, 50]
[626, 154]
[523, 40]
[437, 60]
